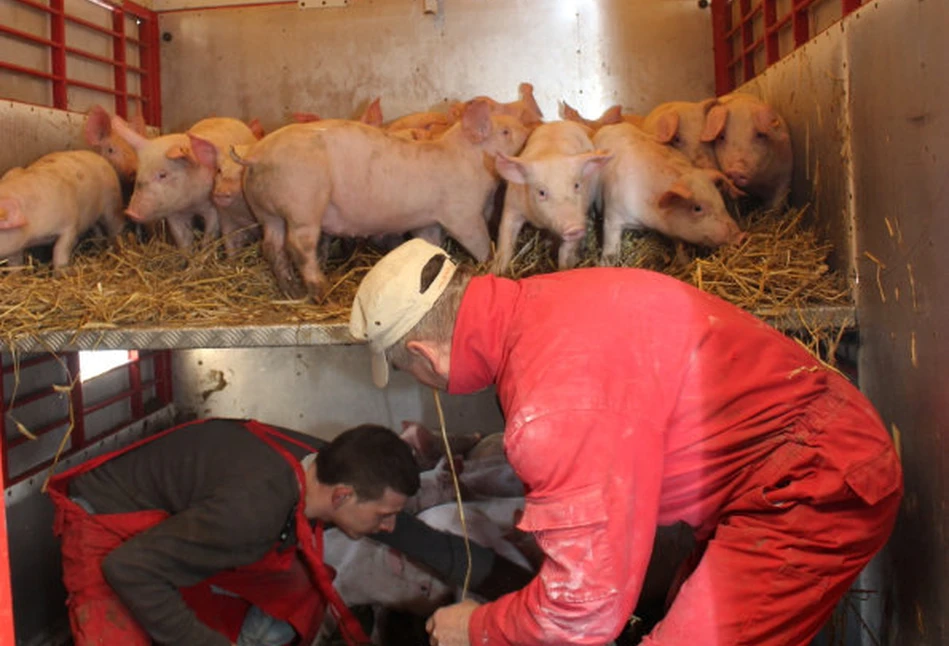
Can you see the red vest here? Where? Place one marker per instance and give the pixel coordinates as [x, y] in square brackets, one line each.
[292, 585]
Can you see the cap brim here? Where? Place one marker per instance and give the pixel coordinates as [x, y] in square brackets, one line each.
[380, 369]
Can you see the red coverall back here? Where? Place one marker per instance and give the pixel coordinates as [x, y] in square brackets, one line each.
[631, 400]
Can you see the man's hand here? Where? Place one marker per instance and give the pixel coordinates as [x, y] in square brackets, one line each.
[449, 625]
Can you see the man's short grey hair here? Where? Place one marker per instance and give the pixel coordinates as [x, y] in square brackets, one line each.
[438, 324]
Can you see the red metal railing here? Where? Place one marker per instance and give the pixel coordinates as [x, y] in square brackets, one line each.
[134, 393]
[148, 97]
[744, 29]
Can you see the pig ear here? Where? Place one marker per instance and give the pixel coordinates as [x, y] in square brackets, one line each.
[373, 114]
[138, 124]
[126, 132]
[511, 168]
[714, 123]
[181, 153]
[526, 90]
[723, 184]
[98, 126]
[256, 128]
[677, 195]
[203, 151]
[11, 217]
[708, 104]
[613, 114]
[593, 162]
[476, 120]
[569, 113]
[305, 117]
[667, 125]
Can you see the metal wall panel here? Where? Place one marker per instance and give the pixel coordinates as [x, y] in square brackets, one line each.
[809, 89]
[317, 390]
[269, 61]
[898, 64]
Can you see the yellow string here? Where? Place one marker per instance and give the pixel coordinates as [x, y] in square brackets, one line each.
[454, 477]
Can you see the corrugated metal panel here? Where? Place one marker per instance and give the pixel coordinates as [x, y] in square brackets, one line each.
[898, 65]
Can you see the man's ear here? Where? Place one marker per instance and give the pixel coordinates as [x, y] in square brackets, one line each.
[340, 494]
[425, 352]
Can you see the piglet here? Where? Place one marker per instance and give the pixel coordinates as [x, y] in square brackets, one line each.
[99, 135]
[172, 183]
[239, 228]
[680, 124]
[651, 186]
[551, 186]
[55, 199]
[752, 146]
[525, 109]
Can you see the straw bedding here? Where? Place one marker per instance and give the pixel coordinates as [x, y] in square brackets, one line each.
[780, 268]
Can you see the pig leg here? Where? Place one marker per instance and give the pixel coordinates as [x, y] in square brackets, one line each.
[613, 225]
[231, 235]
[274, 249]
[472, 234]
[512, 220]
[302, 241]
[432, 233]
[212, 224]
[62, 250]
[112, 219]
[779, 198]
[179, 225]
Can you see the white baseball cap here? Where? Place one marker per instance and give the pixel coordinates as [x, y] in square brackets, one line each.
[391, 299]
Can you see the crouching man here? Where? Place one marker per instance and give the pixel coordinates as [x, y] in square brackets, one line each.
[201, 535]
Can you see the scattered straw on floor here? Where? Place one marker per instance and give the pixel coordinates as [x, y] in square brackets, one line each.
[781, 267]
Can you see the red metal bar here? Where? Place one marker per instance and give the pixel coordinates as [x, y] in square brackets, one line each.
[4, 472]
[28, 363]
[849, 6]
[7, 633]
[800, 22]
[162, 369]
[78, 437]
[747, 35]
[771, 35]
[36, 5]
[90, 25]
[118, 53]
[57, 32]
[135, 384]
[721, 19]
[150, 60]
[24, 35]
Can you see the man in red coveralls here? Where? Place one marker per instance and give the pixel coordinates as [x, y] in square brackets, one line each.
[634, 400]
[201, 535]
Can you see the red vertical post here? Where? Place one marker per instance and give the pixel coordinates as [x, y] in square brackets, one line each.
[162, 368]
[7, 634]
[151, 63]
[135, 385]
[849, 6]
[75, 395]
[800, 22]
[4, 468]
[118, 55]
[721, 23]
[57, 34]
[770, 33]
[747, 38]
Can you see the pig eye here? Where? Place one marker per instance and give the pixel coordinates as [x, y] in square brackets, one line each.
[697, 208]
[542, 194]
[676, 140]
[761, 135]
[111, 150]
[506, 132]
[162, 174]
[721, 137]
[576, 186]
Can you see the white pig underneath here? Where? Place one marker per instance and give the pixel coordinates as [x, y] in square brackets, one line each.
[550, 185]
[55, 200]
[752, 147]
[651, 186]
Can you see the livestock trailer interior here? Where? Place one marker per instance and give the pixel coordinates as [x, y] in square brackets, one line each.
[860, 85]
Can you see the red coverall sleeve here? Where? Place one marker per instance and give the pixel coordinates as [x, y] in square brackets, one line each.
[594, 482]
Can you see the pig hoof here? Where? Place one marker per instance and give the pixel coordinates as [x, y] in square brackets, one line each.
[317, 292]
[293, 290]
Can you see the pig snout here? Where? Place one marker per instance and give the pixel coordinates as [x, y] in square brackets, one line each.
[223, 197]
[573, 233]
[738, 177]
[134, 215]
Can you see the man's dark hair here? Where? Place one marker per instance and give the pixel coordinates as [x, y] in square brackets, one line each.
[369, 458]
